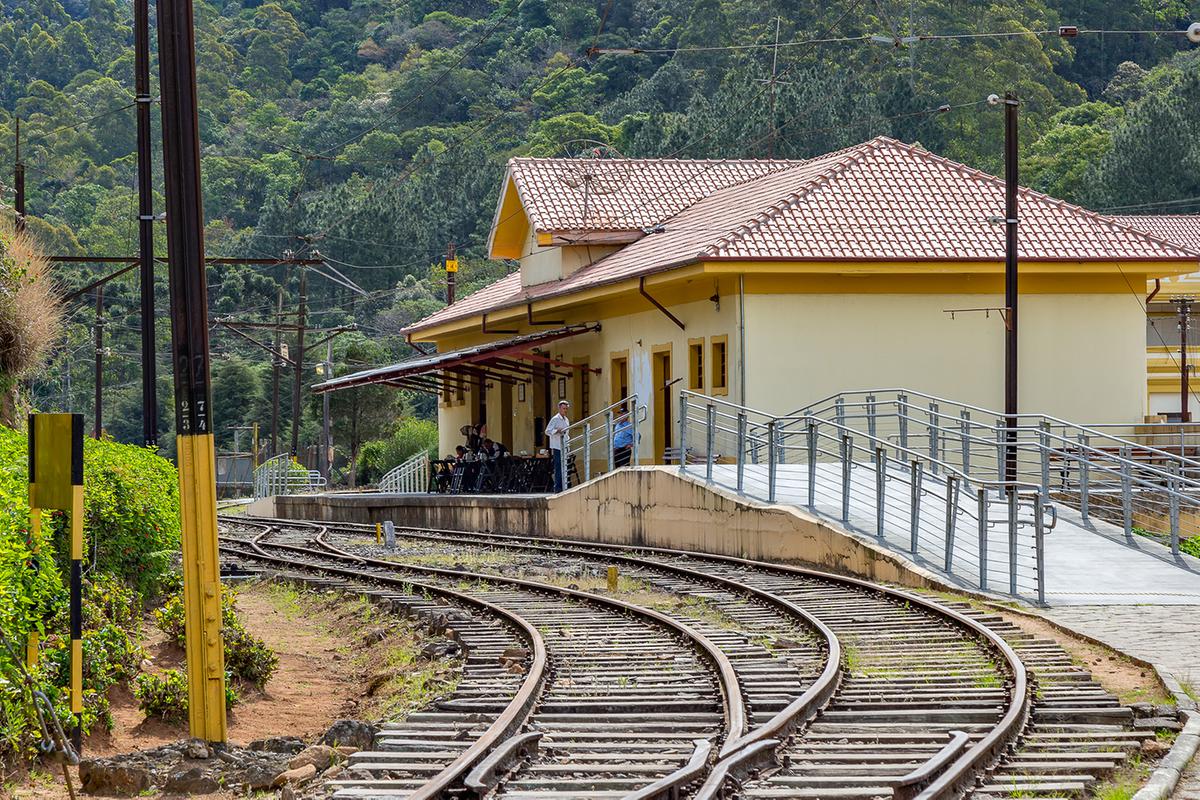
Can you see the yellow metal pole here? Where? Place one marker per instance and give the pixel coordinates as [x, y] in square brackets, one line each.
[612, 579]
[35, 538]
[202, 589]
[77, 607]
[378, 533]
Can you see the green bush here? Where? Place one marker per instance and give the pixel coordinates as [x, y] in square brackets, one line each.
[247, 657]
[165, 694]
[411, 436]
[131, 527]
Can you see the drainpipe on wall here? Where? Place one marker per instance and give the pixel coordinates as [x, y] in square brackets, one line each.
[742, 339]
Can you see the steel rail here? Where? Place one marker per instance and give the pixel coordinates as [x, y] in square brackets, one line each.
[963, 768]
[730, 689]
[784, 721]
[514, 716]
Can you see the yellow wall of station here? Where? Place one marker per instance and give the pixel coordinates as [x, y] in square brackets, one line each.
[1082, 357]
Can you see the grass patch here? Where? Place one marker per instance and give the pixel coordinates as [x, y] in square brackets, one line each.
[387, 649]
[467, 556]
[1125, 782]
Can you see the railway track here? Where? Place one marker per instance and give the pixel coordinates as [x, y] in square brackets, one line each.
[910, 697]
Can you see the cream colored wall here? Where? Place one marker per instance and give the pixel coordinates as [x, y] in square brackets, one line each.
[451, 418]
[543, 264]
[1082, 357]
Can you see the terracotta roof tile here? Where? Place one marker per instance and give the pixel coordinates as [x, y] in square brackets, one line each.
[573, 194]
[878, 201]
[1182, 229]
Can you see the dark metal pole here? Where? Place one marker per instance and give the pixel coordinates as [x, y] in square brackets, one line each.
[193, 392]
[299, 361]
[1185, 308]
[326, 441]
[19, 182]
[1011, 107]
[98, 423]
[451, 274]
[275, 364]
[141, 70]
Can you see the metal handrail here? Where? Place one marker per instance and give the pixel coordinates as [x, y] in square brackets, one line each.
[919, 495]
[1083, 466]
[411, 477]
[583, 436]
[283, 475]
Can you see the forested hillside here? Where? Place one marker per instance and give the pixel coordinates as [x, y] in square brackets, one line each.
[375, 132]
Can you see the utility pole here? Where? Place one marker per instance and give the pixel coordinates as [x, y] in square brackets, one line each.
[451, 274]
[1011, 107]
[141, 71]
[98, 425]
[326, 441]
[1184, 311]
[19, 182]
[299, 359]
[275, 365]
[193, 392]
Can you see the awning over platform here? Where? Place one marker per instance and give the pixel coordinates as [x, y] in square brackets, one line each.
[514, 360]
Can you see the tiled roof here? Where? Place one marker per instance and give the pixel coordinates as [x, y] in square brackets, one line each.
[878, 201]
[1182, 229]
[574, 194]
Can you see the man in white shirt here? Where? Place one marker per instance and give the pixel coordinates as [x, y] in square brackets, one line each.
[558, 424]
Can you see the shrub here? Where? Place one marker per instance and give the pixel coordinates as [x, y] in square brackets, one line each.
[30, 314]
[247, 657]
[165, 694]
[131, 508]
[411, 436]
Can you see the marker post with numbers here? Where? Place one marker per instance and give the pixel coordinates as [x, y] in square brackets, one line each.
[193, 394]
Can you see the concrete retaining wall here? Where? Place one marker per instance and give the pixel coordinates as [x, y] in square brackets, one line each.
[651, 506]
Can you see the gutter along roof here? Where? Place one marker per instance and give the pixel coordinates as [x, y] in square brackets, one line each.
[877, 202]
[500, 359]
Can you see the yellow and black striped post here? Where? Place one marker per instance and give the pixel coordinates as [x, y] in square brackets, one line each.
[56, 481]
[193, 395]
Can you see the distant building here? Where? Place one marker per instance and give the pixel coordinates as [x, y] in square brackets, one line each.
[776, 283]
[1162, 317]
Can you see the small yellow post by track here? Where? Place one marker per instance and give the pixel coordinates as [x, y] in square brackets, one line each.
[56, 482]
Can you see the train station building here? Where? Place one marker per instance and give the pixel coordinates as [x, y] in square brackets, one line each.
[778, 283]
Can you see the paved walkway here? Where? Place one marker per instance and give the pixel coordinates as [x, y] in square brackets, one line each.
[1091, 565]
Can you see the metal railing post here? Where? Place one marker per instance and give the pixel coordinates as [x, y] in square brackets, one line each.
[587, 451]
[847, 454]
[916, 471]
[1001, 427]
[1127, 494]
[811, 436]
[981, 495]
[771, 461]
[564, 457]
[1084, 475]
[880, 488]
[839, 411]
[611, 448]
[902, 418]
[710, 440]
[683, 423]
[1039, 533]
[635, 426]
[951, 519]
[1012, 540]
[1173, 499]
[934, 424]
[1044, 446]
[741, 451]
[871, 416]
[965, 425]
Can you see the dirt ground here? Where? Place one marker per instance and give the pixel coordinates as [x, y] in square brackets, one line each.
[316, 684]
[1127, 679]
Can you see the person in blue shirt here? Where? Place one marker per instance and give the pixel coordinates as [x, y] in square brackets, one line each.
[622, 440]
